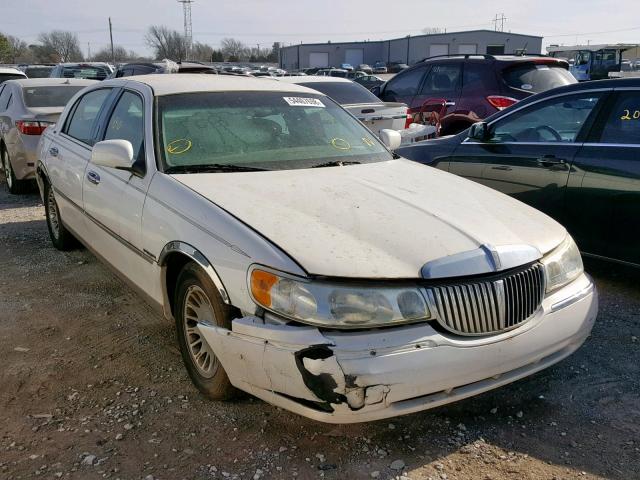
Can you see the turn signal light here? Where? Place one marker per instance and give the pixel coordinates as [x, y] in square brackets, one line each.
[31, 128]
[409, 120]
[500, 102]
[261, 284]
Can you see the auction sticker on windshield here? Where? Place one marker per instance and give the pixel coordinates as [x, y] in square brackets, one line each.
[303, 102]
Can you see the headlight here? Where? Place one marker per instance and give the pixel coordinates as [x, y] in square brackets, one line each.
[337, 306]
[562, 265]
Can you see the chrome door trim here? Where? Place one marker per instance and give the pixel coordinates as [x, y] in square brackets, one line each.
[145, 256]
[195, 255]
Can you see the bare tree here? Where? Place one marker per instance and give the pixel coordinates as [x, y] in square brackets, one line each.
[201, 52]
[232, 48]
[119, 52]
[433, 30]
[18, 50]
[166, 43]
[64, 45]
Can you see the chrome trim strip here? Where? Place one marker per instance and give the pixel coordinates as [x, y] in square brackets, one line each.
[148, 258]
[618, 145]
[573, 298]
[195, 255]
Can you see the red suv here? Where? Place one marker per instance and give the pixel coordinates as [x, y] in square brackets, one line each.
[464, 89]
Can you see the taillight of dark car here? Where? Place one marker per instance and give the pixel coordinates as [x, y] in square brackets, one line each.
[31, 128]
[500, 102]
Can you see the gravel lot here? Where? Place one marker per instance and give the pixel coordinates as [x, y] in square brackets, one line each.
[92, 386]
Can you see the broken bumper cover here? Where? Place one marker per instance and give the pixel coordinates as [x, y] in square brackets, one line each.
[348, 377]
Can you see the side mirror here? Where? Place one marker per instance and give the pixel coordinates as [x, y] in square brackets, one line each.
[480, 131]
[376, 90]
[391, 138]
[113, 154]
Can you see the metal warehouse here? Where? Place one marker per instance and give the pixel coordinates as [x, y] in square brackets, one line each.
[407, 49]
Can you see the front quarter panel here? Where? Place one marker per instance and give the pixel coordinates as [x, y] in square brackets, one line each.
[175, 213]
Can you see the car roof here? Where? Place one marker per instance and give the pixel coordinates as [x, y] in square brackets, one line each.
[197, 82]
[300, 79]
[92, 64]
[11, 70]
[47, 82]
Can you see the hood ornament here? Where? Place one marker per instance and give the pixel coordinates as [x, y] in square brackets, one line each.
[484, 259]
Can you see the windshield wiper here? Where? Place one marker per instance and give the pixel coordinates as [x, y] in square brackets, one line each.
[335, 163]
[212, 168]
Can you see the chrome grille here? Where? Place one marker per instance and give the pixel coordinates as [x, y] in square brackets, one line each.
[489, 306]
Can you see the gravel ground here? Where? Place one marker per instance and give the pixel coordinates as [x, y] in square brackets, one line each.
[92, 386]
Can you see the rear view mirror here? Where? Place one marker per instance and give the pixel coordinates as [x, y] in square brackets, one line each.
[113, 154]
[480, 131]
[391, 138]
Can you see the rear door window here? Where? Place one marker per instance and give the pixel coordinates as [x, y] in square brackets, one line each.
[623, 120]
[536, 78]
[442, 80]
[83, 119]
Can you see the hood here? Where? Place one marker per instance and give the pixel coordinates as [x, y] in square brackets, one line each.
[377, 220]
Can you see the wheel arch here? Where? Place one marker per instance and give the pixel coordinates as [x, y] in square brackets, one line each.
[174, 256]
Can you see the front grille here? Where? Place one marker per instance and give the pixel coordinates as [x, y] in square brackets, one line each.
[489, 306]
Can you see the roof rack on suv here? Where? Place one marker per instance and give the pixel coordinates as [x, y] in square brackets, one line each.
[464, 55]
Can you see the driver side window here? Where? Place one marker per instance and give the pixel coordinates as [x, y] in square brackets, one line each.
[558, 120]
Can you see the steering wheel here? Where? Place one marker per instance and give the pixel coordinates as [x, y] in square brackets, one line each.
[551, 130]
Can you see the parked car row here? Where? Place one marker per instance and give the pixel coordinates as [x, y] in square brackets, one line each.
[300, 259]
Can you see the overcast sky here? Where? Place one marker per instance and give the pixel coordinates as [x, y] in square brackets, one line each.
[295, 21]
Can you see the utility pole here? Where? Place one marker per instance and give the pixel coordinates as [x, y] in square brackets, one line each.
[500, 19]
[188, 32]
[89, 50]
[113, 55]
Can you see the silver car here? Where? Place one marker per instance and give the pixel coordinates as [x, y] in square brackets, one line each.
[27, 107]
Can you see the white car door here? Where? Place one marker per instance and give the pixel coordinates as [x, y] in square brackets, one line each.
[69, 153]
[114, 199]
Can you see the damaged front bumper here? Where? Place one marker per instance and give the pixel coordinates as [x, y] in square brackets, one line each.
[348, 377]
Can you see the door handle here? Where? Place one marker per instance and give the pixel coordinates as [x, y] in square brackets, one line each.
[53, 151]
[502, 167]
[93, 177]
[551, 161]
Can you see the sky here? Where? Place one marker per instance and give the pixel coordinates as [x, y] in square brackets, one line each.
[294, 21]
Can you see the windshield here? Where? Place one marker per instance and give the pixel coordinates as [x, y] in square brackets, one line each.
[536, 78]
[90, 72]
[56, 96]
[345, 93]
[268, 130]
[38, 72]
[10, 76]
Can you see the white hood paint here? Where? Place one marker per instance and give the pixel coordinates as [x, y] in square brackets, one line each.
[378, 220]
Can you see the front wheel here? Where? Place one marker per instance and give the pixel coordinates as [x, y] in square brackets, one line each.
[61, 238]
[198, 304]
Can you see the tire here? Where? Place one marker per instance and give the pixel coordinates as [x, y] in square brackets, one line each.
[61, 238]
[15, 186]
[197, 301]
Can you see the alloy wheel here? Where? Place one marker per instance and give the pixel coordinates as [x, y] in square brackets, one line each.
[198, 311]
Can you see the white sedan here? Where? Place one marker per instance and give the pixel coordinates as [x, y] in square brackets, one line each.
[301, 261]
